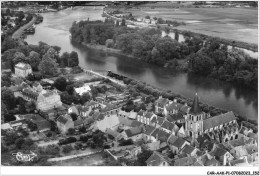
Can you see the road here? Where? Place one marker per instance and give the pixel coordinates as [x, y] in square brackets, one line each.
[17, 34]
[72, 156]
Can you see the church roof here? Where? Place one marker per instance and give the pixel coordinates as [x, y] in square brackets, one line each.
[218, 120]
[195, 108]
[157, 158]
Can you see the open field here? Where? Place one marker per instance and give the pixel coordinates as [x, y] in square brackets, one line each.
[229, 23]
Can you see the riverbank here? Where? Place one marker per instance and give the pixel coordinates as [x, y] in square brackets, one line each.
[181, 99]
[181, 63]
[17, 34]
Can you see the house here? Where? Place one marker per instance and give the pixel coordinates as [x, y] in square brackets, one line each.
[22, 69]
[175, 118]
[134, 133]
[160, 105]
[147, 134]
[44, 100]
[222, 155]
[158, 159]
[186, 161]
[167, 127]
[111, 132]
[129, 151]
[189, 150]
[173, 108]
[132, 115]
[157, 122]
[160, 135]
[73, 109]
[146, 117]
[110, 109]
[64, 124]
[82, 90]
[178, 144]
[153, 145]
[78, 123]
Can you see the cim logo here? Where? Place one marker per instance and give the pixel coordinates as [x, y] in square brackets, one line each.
[25, 157]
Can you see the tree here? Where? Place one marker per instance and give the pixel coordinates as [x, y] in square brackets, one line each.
[70, 89]
[34, 60]
[67, 148]
[30, 106]
[48, 67]
[147, 17]
[123, 22]
[155, 18]
[85, 97]
[109, 43]
[19, 142]
[167, 30]
[3, 112]
[9, 43]
[20, 57]
[73, 59]
[71, 131]
[7, 97]
[32, 126]
[64, 59]
[60, 83]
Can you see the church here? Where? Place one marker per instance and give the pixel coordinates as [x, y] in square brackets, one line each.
[222, 127]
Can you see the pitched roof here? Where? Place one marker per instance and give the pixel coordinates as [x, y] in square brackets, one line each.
[187, 161]
[237, 162]
[112, 132]
[162, 101]
[179, 142]
[172, 139]
[197, 163]
[185, 109]
[149, 129]
[218, 152]
[173, 106]
[188, 149]
[132, 115]
[211, 162]
[88, 120]
[30, 93]
[78, 122]
[133, 131]
[136, 123]
[156, 159]
[62, 120]
[174, 117]
[162, 136]
[141, 112]
[218, 120]
[168, 125]
[195, 108]
[149, 115]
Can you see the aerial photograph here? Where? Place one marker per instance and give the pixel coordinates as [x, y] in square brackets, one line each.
[129, 83]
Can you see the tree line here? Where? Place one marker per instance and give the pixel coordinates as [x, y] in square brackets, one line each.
[208, 57]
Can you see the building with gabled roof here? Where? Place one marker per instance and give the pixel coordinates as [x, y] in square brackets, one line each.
[64, 124]
[189, 150]
[158, 159]
[22, 69]
[222, 155]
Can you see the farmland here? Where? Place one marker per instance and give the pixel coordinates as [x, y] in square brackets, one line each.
[228, 23]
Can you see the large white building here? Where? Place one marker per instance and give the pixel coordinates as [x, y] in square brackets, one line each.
[44, 99]
[22, 69]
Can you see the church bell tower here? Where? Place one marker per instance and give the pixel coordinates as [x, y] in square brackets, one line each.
[194, 122]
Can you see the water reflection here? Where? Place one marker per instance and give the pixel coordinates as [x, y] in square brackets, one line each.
[213, 92]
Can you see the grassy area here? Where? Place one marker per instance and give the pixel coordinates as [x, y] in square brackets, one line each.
[229, 23]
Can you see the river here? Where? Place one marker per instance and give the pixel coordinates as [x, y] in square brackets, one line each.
[55, 31]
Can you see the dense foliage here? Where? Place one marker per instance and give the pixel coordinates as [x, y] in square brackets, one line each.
[198, 55]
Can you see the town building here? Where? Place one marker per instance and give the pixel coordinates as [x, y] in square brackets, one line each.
[22, 69]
